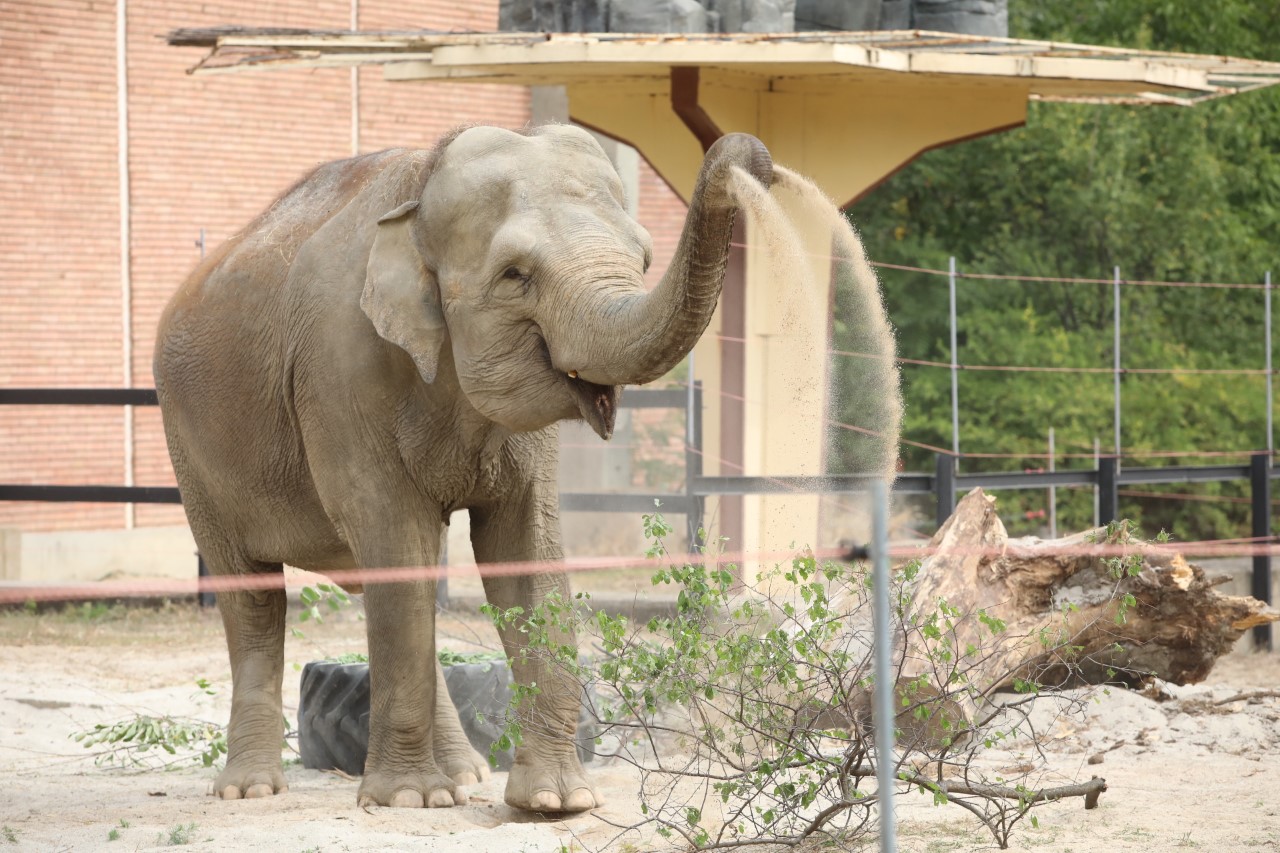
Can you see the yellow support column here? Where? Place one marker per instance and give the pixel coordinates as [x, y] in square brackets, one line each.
[847, 137]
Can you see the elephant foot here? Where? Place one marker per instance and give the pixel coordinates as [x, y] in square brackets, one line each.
[249, 782]
[431, 790]
[460, 762]
[557, 785]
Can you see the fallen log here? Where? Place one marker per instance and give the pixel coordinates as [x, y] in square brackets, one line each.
[1098, 607]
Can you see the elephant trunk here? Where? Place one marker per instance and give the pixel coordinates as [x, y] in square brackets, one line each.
[646, 335]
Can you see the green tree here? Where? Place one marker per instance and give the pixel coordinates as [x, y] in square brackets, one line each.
[1165, 193]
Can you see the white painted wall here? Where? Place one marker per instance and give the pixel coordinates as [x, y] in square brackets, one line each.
[152, 552]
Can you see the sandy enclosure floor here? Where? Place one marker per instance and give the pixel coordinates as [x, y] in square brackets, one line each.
[1188, 773]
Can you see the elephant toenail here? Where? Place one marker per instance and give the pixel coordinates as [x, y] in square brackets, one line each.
[440, 799]
[580, 800]
[406, 799]
[545, 801]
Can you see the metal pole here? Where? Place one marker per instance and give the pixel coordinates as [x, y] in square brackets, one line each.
[442, 583]
[688, 404]
[1108, 490]
[884, 696]
[1097, 466]
[1271, 448]
[1053, 492]
[125, 234]
[944, 487]
[1116, 354]
[692, 459]
[204, 598]
[955, 382]
[1260, 494]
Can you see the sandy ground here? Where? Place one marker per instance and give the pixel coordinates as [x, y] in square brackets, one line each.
[1182, 773]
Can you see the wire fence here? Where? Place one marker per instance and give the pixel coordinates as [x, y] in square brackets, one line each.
[176, 587]
[1264, 442]
[832, 492]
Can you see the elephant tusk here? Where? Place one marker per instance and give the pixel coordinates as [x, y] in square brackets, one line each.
[573, 374]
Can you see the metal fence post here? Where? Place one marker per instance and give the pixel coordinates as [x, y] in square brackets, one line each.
[204, 598]
[1266, 303]
[944, 487]
[693, 463]
[1053, 492]
[1116, 359]
[955, 361]
[1108, 489]
[442, 582]
[1097, 465]
[1260, 494]
[884, 717]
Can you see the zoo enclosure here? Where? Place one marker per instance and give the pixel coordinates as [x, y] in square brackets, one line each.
[943, 484]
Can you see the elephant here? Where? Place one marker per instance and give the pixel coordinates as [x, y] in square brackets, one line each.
[396, 338]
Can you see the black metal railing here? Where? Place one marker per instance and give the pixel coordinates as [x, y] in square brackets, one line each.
[943, 484]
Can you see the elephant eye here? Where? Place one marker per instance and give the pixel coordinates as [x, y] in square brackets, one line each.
[513, 273]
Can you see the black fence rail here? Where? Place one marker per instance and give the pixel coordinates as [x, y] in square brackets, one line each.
[638, 398]
[944, 484]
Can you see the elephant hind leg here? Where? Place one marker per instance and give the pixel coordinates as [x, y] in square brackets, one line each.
[254, 623]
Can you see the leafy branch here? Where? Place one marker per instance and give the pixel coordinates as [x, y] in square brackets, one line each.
[747, 712]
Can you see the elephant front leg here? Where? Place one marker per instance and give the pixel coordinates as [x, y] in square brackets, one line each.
[401, 769]
[546, 775]
[454, 754]
[254, 624]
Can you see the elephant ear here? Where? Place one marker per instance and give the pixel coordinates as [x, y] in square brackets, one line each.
[400, 294]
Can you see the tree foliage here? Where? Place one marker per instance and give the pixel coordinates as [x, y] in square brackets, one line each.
[1164, 193]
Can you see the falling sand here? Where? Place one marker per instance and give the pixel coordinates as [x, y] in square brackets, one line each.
[879, 395]
[778, 220]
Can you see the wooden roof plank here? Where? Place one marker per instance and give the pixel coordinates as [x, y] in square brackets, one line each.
[1056, 70]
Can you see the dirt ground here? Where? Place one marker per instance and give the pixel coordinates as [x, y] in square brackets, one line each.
[1182, 773]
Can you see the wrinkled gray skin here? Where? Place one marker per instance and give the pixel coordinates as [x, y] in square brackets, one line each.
[394, 339]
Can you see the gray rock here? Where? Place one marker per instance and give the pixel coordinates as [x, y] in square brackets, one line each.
[657, 16]
[554, 16]
[972, 17]
[516, 16]
[895, 15]
[769, 16]
[728, 15]
[853, 15]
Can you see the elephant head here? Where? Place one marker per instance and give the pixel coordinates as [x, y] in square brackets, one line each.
[518, 252]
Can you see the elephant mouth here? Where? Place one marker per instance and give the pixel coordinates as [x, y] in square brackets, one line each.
[598, 404]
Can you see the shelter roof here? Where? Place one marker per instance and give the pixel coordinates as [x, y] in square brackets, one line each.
[1050, 71]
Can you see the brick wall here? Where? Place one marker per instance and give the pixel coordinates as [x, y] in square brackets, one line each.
[204, 153]
[211, 152]
[662, 212]
[60, 319]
